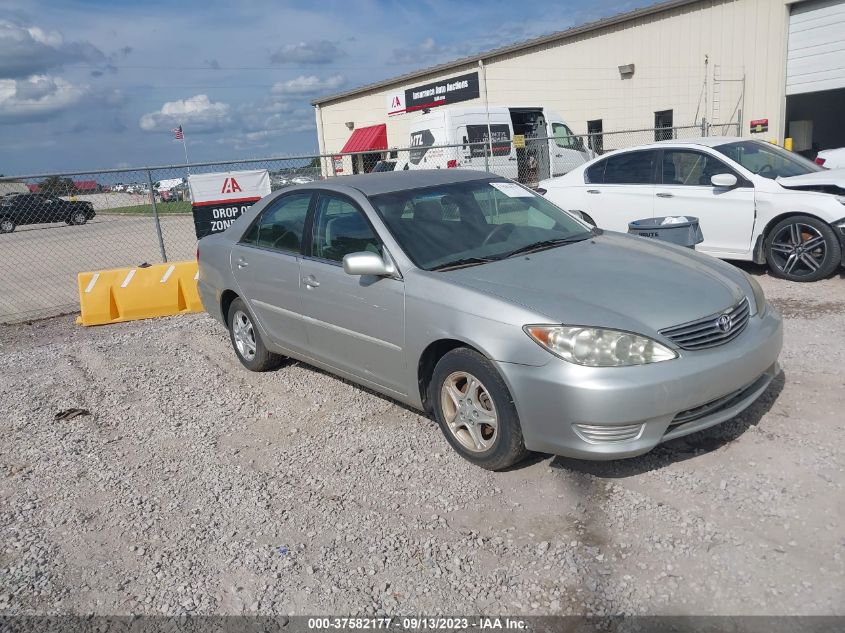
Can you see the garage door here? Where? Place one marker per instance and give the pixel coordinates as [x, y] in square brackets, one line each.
[816, 58]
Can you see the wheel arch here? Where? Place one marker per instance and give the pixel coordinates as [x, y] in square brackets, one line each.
[428, 360]
[789, 214]
[760, 258]
[226, 299]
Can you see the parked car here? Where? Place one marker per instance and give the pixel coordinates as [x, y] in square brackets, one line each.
[35, 208]
[518, 325]
[831, 158]
[301, 180]
[390, 165]
[755, 201]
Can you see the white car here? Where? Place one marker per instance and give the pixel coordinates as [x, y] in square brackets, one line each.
[831, 158]
[754, 200]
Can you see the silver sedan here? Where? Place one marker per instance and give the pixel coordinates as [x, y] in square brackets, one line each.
[517, 325]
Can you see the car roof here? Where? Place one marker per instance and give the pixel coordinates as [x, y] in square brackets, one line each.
[707, 141]
[390, 181]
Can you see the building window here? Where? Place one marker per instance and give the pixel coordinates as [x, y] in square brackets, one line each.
[595, 138]
[663, 125]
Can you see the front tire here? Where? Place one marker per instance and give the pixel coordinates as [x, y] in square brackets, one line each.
[802, 248]
[246, 340]
[78, 218]
[7, 225]
[475, 410]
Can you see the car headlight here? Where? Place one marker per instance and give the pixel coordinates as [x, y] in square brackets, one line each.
[598, 347]
[759, 296]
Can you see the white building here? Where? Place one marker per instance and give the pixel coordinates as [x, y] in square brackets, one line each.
[778, 63]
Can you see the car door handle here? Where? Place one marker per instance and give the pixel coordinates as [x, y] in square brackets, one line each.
[310, 282]
[665, 195]
[558, 155]
[242, 263]
[593, 191]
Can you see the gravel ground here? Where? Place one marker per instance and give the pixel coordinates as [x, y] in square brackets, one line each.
[197, 487]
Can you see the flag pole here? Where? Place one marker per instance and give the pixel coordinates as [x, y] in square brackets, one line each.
[185, 146]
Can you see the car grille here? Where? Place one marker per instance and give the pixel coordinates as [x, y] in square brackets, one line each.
[712, 330]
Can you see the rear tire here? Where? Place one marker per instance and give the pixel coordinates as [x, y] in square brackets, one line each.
[246, 340]
[802, 248]
[7, 225]
[475, 410]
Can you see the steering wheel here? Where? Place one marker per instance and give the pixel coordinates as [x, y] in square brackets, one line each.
[500, 228]
[766, 169]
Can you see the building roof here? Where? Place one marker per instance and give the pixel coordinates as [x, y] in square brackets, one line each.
[512, 48]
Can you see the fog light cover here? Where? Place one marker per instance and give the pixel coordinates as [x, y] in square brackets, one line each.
[595, 434]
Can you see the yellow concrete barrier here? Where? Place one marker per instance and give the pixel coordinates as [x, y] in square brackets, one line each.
[128, 294]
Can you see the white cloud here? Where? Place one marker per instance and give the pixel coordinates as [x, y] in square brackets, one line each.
[197, 114]
[29, 50]
[37, 97]
[310, 52]
[309, 85]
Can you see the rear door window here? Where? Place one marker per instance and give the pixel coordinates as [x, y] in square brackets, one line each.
[595, 173]
[631, 168]
[281, 225]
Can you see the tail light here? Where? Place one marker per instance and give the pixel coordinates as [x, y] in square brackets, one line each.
[452, 164]
[819, 160]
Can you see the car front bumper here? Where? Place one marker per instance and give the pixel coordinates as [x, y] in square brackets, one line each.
[610, 413]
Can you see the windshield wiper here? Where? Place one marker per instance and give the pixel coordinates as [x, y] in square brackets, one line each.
[467, 261]
[544, 244]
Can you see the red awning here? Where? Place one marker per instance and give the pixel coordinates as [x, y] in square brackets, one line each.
[367, 138]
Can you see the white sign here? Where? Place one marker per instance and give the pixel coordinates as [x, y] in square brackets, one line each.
[217, 200]
[512, 190]
[229, 186]
[396, 104]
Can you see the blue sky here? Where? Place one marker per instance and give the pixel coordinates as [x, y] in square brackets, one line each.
[87, 84]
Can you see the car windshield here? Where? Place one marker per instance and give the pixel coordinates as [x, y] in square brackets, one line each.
[767, 160]
[474, 222]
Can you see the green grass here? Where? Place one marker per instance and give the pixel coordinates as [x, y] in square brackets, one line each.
[163, 208]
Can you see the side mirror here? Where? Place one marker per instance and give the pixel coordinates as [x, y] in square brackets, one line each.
[723, 180]
[367, 263]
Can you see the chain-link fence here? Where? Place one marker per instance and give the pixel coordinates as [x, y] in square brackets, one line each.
[53, 227]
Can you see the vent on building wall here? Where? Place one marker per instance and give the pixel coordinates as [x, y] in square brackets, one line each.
[626, 71]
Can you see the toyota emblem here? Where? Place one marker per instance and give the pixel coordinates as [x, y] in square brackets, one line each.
[724, 323]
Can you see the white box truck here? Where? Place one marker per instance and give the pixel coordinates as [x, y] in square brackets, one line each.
[551, 149]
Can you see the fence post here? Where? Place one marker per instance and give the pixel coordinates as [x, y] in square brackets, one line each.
[155, 216]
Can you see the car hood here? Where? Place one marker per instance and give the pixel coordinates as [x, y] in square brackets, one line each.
[827, 177]
[612, 280]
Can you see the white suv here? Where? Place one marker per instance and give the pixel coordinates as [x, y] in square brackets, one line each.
[754, 200]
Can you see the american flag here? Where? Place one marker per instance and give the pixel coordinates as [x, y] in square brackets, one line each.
[177, 132]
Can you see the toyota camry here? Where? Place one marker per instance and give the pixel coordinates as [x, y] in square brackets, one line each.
[516, 324]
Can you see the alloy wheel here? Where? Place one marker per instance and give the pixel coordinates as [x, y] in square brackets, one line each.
[799, 249]
[469, 411]
[79, 218]
[7, 226]
[243, 334]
